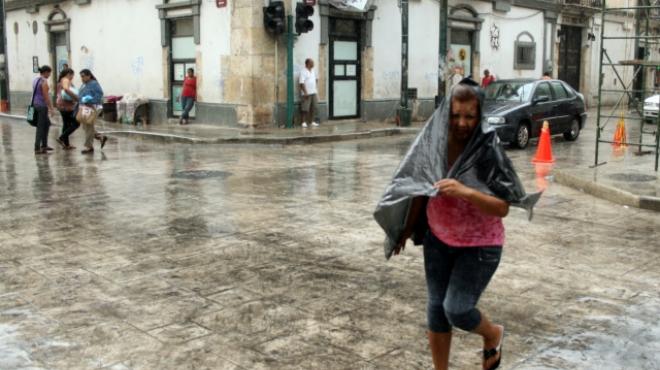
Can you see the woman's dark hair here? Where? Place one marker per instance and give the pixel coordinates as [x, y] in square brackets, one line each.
[45, 69]
[65, 72]
[191, 70]
[87, 72]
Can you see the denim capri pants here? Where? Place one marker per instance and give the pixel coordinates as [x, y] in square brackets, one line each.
[456, 277]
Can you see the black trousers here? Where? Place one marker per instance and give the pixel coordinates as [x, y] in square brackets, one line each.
[69, 125]
[43, 125]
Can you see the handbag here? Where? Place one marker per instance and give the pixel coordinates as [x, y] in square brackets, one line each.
[31, 114]
[86, 115]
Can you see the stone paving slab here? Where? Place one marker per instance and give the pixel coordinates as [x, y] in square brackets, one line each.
[176, 256]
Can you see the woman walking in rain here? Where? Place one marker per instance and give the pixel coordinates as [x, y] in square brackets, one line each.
[91, 95]
[66, 103]
[43, 108]
[450, 194]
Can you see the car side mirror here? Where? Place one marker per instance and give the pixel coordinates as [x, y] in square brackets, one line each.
[541, 99]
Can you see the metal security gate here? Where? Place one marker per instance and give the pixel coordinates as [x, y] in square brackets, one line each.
[569, 55]
[344, 68]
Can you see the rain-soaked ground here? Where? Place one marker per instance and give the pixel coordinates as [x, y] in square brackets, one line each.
[176, 256]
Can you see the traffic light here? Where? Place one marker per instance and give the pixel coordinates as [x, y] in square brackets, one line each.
[303, 12]
[274, 17]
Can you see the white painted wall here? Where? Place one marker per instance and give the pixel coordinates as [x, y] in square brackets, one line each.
[122, 48]
[618, 50]
[511, 24]
[386, 42]
[424, 36]
[215, 31]
[22, 47]
[104, 38]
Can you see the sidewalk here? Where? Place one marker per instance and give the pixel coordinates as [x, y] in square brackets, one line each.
[205, 133]
[622, 176]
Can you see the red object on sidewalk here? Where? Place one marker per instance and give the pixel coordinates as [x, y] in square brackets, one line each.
[544, 150]
[4, 106]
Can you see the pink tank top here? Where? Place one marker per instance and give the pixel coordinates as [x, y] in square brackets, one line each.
[458, 223]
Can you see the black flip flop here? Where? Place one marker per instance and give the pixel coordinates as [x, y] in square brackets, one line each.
[489, 353]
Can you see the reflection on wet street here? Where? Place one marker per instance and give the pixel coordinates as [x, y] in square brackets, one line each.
[173, 256]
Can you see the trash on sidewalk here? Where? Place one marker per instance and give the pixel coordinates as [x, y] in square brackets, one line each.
[133, 108]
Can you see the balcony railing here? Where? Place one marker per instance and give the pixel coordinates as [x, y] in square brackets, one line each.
[593, 4]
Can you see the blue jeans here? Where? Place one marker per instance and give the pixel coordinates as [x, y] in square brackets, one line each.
[456, 277]
[43, 125]
[187, 104]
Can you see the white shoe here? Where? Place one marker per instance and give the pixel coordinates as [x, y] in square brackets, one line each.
[304, 125]
[314, 124]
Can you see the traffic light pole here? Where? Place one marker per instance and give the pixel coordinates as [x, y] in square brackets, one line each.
[442, 55]
[404, 110]
[290, 83]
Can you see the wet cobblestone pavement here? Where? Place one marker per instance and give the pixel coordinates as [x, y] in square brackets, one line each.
[150, 256]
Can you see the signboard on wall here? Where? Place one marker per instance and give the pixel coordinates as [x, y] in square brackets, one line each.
[35, 64]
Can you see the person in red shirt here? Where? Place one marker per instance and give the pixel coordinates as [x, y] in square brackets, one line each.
[487, 80]
[188, 95]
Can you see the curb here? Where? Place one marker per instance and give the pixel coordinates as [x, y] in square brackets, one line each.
[286, 140]
[607, 192]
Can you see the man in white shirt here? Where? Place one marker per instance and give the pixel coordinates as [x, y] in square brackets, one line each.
[308, 90]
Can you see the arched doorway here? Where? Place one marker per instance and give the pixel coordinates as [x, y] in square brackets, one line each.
[463, 56]
[59, 45]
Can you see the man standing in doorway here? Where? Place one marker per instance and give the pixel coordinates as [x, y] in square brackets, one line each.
[308, 90]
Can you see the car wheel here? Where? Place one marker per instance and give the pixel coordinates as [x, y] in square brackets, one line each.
[573, 133]
[522, 136]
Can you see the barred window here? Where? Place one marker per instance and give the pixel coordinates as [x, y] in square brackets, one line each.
[524, 52]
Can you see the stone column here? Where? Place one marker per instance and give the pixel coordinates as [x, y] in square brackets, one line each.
[250, 68]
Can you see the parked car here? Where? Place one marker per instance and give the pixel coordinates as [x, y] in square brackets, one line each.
[651, 108]
[517, 109]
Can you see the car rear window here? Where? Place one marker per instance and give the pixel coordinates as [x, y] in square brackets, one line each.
[543, 89]
[569, 90]
[558, 89]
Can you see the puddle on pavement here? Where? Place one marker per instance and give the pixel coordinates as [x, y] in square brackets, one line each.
[201, 174]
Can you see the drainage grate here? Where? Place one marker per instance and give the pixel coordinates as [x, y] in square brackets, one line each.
[201, 174]
[633, 177]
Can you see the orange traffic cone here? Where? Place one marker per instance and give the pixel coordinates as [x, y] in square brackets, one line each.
[620, 133]
[544, 150]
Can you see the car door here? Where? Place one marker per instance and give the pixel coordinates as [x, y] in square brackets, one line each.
[562, 108]
[542, 108]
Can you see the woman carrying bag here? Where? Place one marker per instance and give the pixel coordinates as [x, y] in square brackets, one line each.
[91, 95]
[67, 96]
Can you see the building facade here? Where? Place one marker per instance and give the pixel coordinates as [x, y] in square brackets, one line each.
[145, 46]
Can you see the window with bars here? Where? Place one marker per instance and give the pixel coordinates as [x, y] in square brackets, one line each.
[524, 52]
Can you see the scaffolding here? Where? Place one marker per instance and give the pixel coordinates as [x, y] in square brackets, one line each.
[647, 15]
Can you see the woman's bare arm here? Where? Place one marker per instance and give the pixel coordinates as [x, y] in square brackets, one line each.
[487, 204]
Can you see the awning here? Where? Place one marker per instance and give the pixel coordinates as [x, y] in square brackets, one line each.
[352, 5]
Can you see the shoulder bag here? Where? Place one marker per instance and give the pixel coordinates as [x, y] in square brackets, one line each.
[31, 114]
